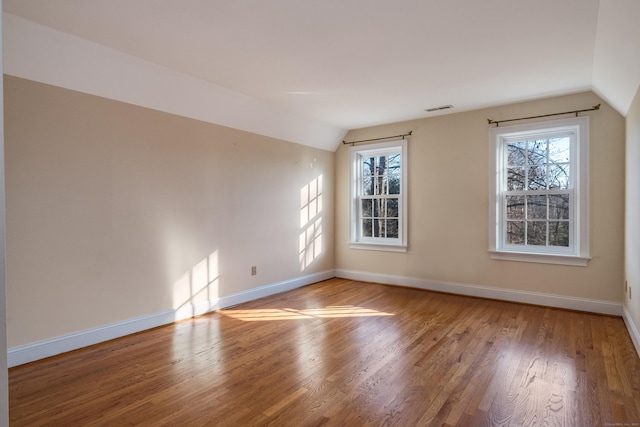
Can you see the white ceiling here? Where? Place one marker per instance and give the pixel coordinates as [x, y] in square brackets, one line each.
[357, 63]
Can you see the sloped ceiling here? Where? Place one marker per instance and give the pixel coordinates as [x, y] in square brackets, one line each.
[308, 71]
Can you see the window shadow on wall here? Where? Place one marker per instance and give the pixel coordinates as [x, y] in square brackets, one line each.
[310, 246]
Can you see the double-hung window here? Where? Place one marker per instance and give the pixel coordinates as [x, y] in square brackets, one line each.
[539, 192]
[378, 193]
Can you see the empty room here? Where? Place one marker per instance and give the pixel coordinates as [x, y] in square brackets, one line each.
[296, 213]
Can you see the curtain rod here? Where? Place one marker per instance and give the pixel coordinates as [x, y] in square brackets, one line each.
[497, 122]
[403, 136]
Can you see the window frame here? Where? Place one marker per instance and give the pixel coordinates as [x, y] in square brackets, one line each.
[357, 241]
[578, 251]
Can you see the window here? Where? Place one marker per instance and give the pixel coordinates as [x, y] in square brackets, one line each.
[378, 209]
[539, 192]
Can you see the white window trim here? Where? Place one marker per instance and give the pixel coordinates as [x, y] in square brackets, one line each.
[578, 255]
[389, 245]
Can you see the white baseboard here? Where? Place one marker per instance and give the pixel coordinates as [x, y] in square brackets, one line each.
[549, 300]
[633, 331]
[39, 350]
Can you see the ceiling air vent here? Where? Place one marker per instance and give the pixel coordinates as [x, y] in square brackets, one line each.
[444, 107]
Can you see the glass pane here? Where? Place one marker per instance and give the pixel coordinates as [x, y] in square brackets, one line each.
[515, 207]
[366, 208]
[368, 164]
[378, 228]
[515, 179]
[383, 163]
[367, 228]
[392, 228]
[559, 233]
[380, 185]
[378, 207]
[392, 208]
[537, 207]
[394, 163]
[516, 153]
[537, 178]
[368, 186]
[559, 150]
[376, 165]
[394, 184]
[383, 185]
[537, 152]
[515, 233]
[559, 206]
[537, 233]
[559, 176]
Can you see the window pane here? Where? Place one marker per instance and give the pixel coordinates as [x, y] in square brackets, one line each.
[537, 152]
[376, 165]
[392, 208]
[515, 179]
[392, 228]
[559, 233]
[368, 186]
[559, 206]
[515, 207]
[537, 178]
[378, 207]
[366, 208]
[394, 184]
[559, 176]
[383, 185]
[537, 207]
[367, 228]
[559, 150]
[368, 166]
[382, 163]
[394, 163]
[515, 233]
[378, 228]
[516, 153]
[537, 233]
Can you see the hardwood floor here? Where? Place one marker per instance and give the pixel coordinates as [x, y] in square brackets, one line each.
[345, 353]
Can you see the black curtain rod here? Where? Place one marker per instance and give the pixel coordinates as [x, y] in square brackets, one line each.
[497, 122]
[403, 136]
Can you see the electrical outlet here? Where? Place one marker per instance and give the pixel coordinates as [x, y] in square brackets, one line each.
[254, 270]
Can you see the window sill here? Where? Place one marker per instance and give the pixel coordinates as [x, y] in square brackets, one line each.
[378, 247]
[580, 261]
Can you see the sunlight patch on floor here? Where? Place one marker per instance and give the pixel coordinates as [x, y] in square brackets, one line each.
[309, 313]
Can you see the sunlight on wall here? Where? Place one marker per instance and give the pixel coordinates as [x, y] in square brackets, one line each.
[309, 313]
[310, 222]
[197, 290]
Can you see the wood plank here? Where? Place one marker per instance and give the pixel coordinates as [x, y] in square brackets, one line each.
[342, 352]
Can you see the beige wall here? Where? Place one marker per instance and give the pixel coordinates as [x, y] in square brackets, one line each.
[632, 241]
[448, 205]
[113, 210]
[116, 211]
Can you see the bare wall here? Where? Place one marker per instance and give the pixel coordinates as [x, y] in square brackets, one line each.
[116, 211]
[448, 205]
[632, 219]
